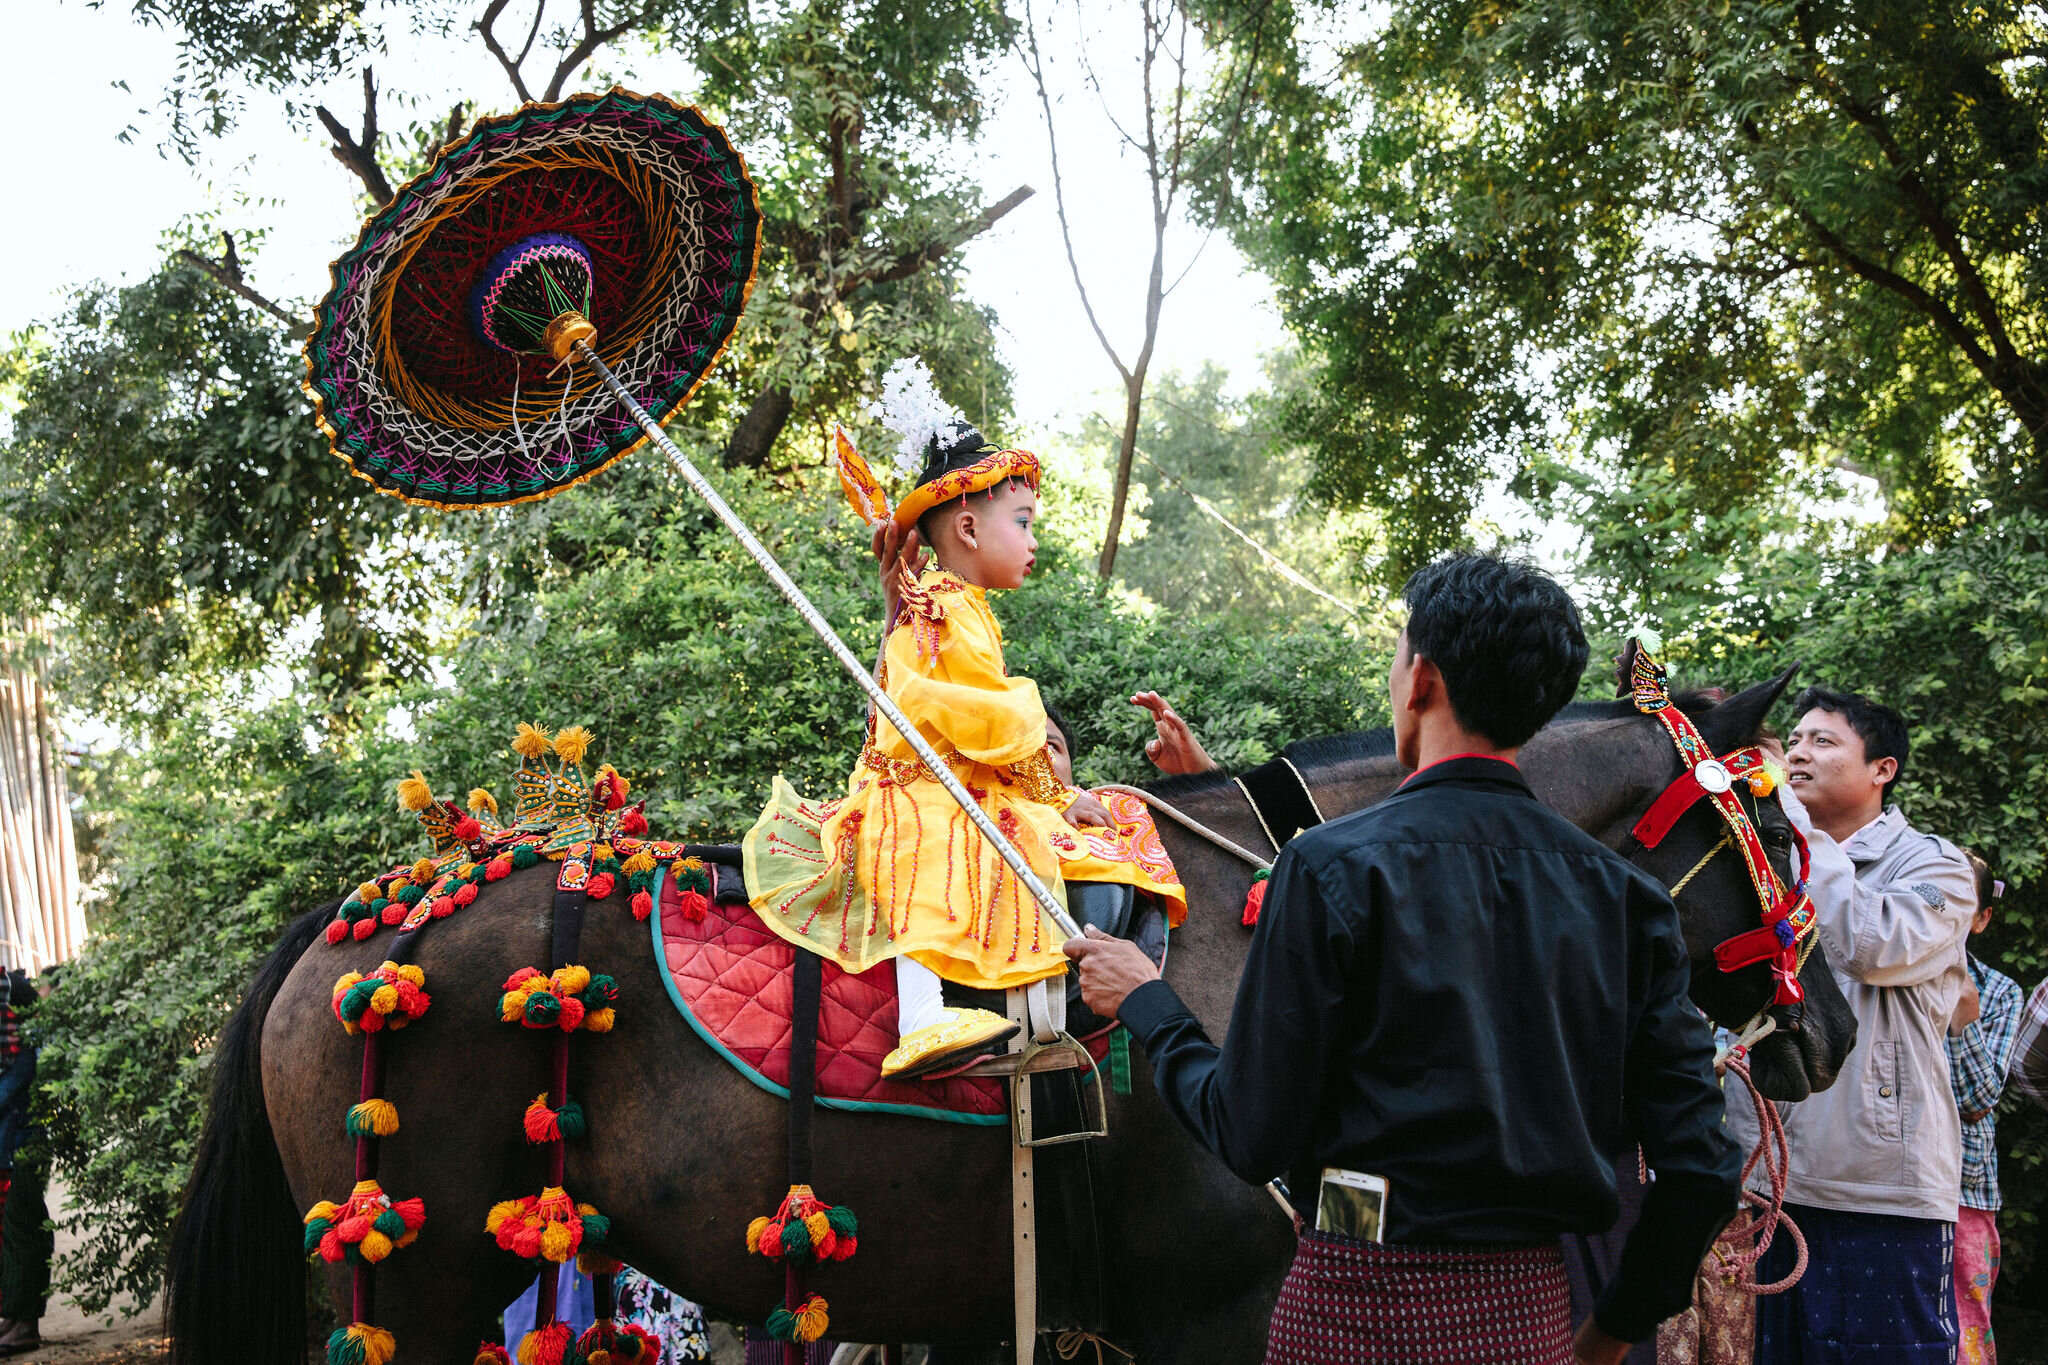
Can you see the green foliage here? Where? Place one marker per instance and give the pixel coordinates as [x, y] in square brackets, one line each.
[1704, 248]
[700, 684]
[162, 484]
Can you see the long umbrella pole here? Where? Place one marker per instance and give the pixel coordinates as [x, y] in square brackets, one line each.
[854, 667]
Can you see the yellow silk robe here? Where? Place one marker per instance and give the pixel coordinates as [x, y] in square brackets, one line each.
[895, 866]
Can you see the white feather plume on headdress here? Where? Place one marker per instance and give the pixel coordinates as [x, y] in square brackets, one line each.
[911, 407]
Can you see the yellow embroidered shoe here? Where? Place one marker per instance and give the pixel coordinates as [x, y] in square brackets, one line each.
[956, 1038]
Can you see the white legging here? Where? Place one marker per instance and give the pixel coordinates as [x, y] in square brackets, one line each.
[920, 1002]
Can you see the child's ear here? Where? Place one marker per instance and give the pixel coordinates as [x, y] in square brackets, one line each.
[964, 526]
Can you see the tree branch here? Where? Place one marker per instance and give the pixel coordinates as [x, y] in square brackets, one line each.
[449, 134]
[360, 156]
[227, 273]
[483, 26]
[1035, 64]
[593, 39]
[1940, 313]
[903, 267]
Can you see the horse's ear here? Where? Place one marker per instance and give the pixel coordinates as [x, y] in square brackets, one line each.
[1625, 667]
[1738, 720]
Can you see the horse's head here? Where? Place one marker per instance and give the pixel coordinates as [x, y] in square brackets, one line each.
[1602, 764]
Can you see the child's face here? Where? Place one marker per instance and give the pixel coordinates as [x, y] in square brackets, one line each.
[1056, 750]
[997, 547]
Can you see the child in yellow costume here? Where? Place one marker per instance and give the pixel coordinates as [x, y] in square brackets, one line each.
[895, 868]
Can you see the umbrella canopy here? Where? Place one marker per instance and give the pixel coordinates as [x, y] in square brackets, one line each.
[431, 366]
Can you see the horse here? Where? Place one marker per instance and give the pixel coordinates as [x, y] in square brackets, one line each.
[684, 1151]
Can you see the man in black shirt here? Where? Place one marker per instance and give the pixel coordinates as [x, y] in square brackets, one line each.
[1461, 993]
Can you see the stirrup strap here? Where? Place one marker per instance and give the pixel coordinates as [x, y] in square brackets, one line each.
[1046, 1009]
[1023, 1203]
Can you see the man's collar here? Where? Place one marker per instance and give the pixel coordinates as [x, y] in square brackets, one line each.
[1469, 768]
[1870, 842]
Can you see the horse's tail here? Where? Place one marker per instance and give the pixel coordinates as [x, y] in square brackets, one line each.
[237, 1283]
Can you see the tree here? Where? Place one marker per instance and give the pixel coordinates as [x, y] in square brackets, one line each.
[1173, 140]
[1706, 249]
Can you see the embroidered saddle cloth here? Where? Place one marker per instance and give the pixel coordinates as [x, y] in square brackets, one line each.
[731, 979]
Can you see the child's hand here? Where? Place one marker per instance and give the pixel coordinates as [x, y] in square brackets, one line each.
[1176, 750]
[1087, 811]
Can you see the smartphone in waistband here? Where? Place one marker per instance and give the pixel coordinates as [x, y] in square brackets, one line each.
[1352, 1204]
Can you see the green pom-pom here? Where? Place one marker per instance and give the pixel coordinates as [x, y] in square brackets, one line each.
[569, 1118]
[356, 911]
[344, 1349]
[411, 895]
[693, 879]
[641, 881]
[796, 1239]
[358, 998]
[782, 1325]
[597, 1229]
[610, 865]
[315, 1231]
[526, 855]
[542, 1009]
[842, 1221]
[390, 1224]
[601, 993]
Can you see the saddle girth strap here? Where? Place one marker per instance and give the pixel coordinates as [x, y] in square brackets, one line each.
[807, 977]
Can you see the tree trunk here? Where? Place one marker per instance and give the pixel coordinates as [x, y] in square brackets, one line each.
[753, 436]
[1134, 398]
[41, 921]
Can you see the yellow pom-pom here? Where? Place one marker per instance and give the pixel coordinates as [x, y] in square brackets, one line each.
[324, 1209]
[413, 792]
[556, 1242]
[754, 1231]
[398, 884]
[367, 892]
[375, 1246]
[810, 1320]
[817, 1226]
[379, 1115]
[600, 1021]
[424, 872]
[466, 871]
[599, 852]
[1762, 783]
[345, 980]
[498, 1214]
[512, 1006]
[409, 972]
[384, 999]
[378, 1345]
[482, 802]
[571, 980]
[572, 744]
[643, 861]
[530, 741]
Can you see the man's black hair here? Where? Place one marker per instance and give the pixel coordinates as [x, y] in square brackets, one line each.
[1505, 637]
[1882, 730]
[1066, 731]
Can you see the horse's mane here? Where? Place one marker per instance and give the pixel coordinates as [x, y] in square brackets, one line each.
[1329, 750]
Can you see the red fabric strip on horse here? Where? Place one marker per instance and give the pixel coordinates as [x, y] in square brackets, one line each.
[1362, 1303]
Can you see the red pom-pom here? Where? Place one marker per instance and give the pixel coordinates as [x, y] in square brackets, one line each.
[643, 905]
[498, 867]
[465, 893]
[693, 905]
[363, 929]
[845, 1248]
[519, 976]
[1254, 899]
[571, 1015]
[394, 913]
[467, 829]
[442, 908]
[330, 1246]
[599, 886]
[337, 931]
[633, 822]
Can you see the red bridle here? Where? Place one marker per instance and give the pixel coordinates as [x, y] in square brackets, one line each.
[1787, 913]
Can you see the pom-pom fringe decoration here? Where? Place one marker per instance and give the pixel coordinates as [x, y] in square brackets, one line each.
[554, 1125]
[360, 1344]
[372, 1118]
[1255, 899]
[608, 1343]
[805, 1324]
[365, 1229]
[805, 1227]
[549, 1345]
[569, 999]
[390, 997]
[548, 1226]
[491, 1353]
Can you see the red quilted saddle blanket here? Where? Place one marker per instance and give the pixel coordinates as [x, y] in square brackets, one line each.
[730, 977]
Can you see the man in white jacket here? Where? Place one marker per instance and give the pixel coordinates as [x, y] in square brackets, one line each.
[1877, 1158]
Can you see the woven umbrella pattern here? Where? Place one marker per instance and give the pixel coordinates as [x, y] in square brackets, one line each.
[640, 199]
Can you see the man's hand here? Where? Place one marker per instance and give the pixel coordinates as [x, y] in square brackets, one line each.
[896, 551]
[1176, 750]
[1087, 811]
[1591, 1346]
[1110, 969]
[1969, 1006]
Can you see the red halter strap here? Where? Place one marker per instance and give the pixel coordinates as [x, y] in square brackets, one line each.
[1787, 914]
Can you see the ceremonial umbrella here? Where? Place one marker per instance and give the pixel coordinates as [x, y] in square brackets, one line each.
[529, 309]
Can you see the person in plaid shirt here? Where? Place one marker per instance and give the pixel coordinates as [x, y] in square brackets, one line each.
[2029, 1066]
[1980, 1042]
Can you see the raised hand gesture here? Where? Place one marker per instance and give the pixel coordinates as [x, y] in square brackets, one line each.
[1176, 750]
